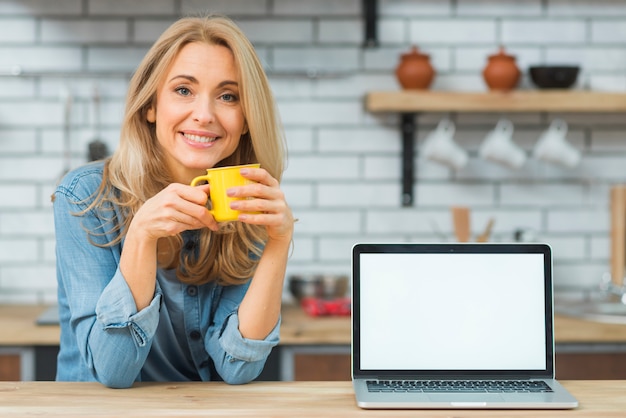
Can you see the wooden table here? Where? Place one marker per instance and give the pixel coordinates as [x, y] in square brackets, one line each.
[259, 399]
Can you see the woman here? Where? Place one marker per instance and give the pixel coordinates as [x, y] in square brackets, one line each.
[151, 288]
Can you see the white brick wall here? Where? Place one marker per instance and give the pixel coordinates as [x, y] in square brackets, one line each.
[343, 178]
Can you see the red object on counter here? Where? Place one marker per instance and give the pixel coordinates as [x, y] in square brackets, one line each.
[319, 307]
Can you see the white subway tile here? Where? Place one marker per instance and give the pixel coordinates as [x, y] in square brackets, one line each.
[359, 140]
[278, 31]
[303, 249]
[290, 87]
[83, 31]
[392, 31]
[14, 196]
[608, 31]
[532, 194]
[321, 221]
[578, 219]
[18, 250]
[544, 32]
[40, 7]
[499, 8]
[590, 58]
[30, 113]
[316, 8]
[415, 8]
[579, 274]
[567, 247]
[455, 194]
[338, 59]
[17, 140]
[40, 58]
[18, 31]
[319, 112]
[34, 277]
[114, 59]
[149, 30]
[131, 7]
[30, 169]
[586, 8]
[600, 248]
[341, 31]
[298, 195]
[454, 31]
[608, 83]
[27, 223]
[609, 141]
[325, 166]
[227, 7]
[350, 195]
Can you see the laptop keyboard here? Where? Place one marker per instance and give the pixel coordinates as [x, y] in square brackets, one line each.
[463, 386]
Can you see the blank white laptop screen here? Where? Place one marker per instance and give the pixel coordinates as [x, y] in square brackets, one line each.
[452, 312]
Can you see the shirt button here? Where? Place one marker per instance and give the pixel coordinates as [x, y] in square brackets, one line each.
[192, 290]
[195, 335]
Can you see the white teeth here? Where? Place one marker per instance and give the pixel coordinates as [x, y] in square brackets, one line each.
[198, 138]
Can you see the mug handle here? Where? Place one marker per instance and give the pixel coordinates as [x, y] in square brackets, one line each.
[198, 179]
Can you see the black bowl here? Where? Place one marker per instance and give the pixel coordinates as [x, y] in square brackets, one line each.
[553, 76]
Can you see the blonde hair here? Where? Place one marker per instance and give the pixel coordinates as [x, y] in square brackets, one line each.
[135, 172]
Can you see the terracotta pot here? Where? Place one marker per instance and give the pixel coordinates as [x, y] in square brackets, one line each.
[415, 70]
[501, 71]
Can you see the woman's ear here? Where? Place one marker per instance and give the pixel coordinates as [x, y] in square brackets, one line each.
[151, 114]
[245, 128]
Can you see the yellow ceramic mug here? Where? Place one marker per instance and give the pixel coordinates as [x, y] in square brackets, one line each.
[221, 179]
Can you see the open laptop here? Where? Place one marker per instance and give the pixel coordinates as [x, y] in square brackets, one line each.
[454, 326]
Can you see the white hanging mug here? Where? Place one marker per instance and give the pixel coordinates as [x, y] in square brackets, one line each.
[439, 146]
[499, 147]
[552, 146]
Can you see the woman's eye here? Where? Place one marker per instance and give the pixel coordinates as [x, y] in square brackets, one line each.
[227, 97]
[183, 91]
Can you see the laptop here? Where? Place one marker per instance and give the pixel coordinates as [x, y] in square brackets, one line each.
[454, 326]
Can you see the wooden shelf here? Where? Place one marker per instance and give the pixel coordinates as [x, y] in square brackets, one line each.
[410, 101]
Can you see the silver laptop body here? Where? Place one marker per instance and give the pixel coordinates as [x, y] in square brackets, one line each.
[454, 326]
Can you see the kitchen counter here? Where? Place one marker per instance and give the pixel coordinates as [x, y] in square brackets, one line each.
[258, 399]
[17, 323]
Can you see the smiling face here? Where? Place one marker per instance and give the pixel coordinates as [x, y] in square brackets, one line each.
[198, 114]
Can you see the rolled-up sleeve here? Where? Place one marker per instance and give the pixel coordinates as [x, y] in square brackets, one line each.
[103, 337]
[237, 359]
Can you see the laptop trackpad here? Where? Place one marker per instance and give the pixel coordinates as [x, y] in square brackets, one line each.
[465, 397]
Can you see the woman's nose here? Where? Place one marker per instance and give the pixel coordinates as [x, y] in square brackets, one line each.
[203, 111]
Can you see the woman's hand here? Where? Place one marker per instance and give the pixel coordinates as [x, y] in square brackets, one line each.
[175, 209]
[266, 197]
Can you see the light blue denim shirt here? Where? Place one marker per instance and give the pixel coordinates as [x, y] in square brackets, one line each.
[186, 333]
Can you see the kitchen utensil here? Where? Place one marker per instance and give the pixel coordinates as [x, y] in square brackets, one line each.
[618, 234]
[97, 148]
[554, 76]
[321, 286]
[461, 222]
[484, 236]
